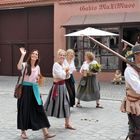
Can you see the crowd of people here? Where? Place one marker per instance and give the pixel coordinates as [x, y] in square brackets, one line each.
[32, 113]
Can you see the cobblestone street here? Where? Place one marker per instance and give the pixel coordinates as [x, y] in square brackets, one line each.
[90, 123]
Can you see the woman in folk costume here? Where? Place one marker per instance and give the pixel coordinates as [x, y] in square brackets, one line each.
[57, 103]
[31, 114]
[88, 89]
[131, 103]
[70, 82]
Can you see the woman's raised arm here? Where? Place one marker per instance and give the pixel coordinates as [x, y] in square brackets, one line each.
[23, 53]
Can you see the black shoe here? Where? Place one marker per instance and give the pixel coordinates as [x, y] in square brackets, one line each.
[98, 106]
[78, 105]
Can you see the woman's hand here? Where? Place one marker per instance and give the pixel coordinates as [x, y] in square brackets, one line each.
[67, 70]
[22, 50]
[93, 73]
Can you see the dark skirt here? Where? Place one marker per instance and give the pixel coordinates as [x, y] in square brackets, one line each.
[88, 89]
[134, 127]
[70, 84]
[59, 106]
[30, 114]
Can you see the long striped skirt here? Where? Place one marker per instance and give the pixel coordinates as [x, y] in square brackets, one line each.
[58, 106]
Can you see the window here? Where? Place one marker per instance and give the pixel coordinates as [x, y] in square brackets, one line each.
[104, 57]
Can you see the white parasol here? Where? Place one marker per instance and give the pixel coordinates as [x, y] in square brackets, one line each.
[91, 32]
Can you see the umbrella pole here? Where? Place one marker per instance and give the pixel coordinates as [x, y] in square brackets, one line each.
[83, 47]
[115, 53]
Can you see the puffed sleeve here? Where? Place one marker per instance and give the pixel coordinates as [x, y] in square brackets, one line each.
[84, 67]
[132, 77]
[66, 63]
[94, 62]
[73, 68]
[58, 71]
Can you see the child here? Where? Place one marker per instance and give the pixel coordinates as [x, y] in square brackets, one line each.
[118, 77]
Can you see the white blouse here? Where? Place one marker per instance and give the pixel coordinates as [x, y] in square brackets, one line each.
[35, 72]
[71, 66]
[85, 65]
[132, 78]
[59, 71]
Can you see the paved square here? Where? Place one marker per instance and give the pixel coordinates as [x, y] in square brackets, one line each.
[90, 123]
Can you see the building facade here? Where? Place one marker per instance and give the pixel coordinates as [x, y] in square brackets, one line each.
[42, 24]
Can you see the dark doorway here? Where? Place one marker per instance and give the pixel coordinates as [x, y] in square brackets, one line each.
[31, 28]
